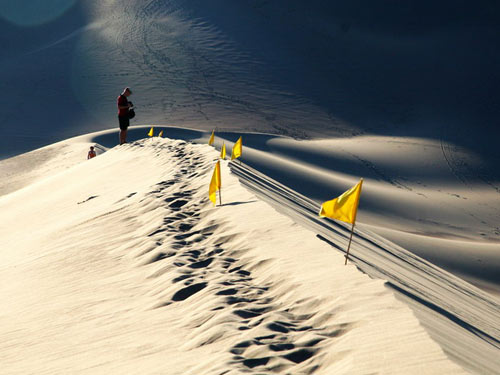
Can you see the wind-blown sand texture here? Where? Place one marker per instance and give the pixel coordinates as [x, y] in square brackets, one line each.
[120, 264]
[288, 67]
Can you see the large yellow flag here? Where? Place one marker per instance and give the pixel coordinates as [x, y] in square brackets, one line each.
[151, 132]
[161, 134]
[212, 138]
[215, 184]
[223, 151]
[345, 207]
[236, 153]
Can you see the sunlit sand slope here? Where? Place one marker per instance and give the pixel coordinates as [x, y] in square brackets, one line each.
[121, 263]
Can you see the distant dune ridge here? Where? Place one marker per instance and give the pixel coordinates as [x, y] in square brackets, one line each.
[128, 265]
[319, 68]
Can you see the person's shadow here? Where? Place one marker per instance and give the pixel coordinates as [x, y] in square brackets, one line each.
[236, 203]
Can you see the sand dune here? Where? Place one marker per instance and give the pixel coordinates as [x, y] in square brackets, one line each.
[435, 199]
[286, 67]
[120, 264]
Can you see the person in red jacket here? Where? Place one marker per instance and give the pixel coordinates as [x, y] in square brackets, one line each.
[123, 116]
[91, 153]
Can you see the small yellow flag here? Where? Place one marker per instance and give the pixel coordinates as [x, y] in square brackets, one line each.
[215, 184]
[236, 152]
[161, 134]
[223, 151]
[212, 138]
[151, 132]
[345, 207]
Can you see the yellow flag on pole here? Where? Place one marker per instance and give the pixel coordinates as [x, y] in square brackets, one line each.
[151, 132]
[345, 207]
[212, 138]
[236, 152]
[215, 184]
[161, 134]
[223, 151]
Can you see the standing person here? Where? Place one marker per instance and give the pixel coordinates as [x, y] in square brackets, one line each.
[91, 153]
[123, 116]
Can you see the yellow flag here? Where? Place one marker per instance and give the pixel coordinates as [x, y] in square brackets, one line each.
[212, 138]
[223, 151]
[150, 132]
[161, 134]
[345, 207]
[236, 153]
[215, 184]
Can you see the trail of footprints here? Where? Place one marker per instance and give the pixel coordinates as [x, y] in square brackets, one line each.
[293, 333]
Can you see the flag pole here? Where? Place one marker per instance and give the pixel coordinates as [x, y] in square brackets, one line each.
[220, 197]
[349, 246]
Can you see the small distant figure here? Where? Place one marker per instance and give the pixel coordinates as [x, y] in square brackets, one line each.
[124, 107]
[91, 153]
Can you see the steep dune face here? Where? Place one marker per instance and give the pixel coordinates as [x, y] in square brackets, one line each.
[39, 104]
[287, 67]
